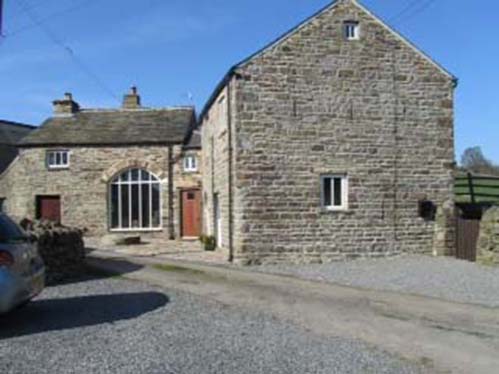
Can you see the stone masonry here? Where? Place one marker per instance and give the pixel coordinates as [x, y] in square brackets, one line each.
[375, 109]
[84, 186]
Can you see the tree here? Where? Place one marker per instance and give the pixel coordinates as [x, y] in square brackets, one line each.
[474, 161]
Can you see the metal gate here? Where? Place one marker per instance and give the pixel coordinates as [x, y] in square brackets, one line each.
[467, 232]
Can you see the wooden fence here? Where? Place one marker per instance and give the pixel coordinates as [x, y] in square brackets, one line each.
[477, 189]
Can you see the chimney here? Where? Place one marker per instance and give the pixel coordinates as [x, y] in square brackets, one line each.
[132, 99]
[65, 106]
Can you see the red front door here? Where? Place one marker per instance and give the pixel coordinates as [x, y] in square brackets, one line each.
[49, 208]
[191, 213]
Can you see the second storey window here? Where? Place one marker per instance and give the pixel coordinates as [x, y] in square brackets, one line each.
[351, 30]
[58, 159]
[190, 163]
[334, 192]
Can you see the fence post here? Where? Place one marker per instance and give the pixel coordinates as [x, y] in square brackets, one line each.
[472, 190]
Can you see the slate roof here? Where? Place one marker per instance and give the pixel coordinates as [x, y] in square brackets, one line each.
[194, 141]
[114, 127]
[10, 134]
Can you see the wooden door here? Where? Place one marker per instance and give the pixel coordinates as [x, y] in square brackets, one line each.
[191, 213]
[49, 208]
[467, 233]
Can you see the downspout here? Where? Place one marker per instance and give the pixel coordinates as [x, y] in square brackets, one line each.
[230, 179]
[396, 151]
[171, 225]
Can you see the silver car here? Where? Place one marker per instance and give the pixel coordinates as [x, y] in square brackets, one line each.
[22, 272]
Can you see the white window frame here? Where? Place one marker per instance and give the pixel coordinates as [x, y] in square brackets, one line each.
[351, 30]
[154, 180]
[344, 192]
[58, 154]
[190, 163]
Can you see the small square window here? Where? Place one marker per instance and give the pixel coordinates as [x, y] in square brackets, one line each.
[190, 163]
[58, 159]
[351, 30]
[334, 192]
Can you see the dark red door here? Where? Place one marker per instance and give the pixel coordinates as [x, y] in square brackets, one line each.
[49, 208]
[191, 213]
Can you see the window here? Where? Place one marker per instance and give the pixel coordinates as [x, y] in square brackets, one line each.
[334, 192]
[351, 30]
[57, 159]
[190, 163]
[135, 201]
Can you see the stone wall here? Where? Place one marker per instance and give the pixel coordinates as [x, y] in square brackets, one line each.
[374, 109]
[61, 248]
[215, 145]
[488, 242]
[83, 187]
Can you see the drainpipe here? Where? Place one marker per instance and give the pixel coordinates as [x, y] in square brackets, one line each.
[230, 179]
[171, 225]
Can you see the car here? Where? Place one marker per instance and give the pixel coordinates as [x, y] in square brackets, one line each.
[22, 271]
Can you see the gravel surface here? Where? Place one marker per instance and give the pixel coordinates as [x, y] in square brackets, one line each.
[444, 278]
[118, 326]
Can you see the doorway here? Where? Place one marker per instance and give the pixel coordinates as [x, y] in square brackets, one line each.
[217, 220]
[48, 208]
[191, 213]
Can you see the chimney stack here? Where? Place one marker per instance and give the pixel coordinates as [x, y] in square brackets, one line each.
[66, 106]
[132, 99]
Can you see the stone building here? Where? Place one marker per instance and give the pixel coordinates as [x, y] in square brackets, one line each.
[10, 134]
[116, 172]
[334, 141]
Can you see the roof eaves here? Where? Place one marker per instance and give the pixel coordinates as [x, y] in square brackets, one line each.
[11, 123]
[103, 144]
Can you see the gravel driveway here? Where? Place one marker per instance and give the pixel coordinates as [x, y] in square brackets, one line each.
[444, 278]
[118, 326]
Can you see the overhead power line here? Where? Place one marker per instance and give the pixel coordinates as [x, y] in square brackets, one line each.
[22, 29]
[80, 64]
[412, 9]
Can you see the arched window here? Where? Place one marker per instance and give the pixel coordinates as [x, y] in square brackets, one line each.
[135, 201]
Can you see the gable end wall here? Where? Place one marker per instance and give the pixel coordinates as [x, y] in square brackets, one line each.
[317, 104]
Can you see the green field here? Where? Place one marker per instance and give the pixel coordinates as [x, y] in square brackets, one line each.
[486, 189]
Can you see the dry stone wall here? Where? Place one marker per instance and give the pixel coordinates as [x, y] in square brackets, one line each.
[488, 242]
[61, 248]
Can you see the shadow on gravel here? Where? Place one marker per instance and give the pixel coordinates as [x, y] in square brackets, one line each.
[61, 314]
[92, 270]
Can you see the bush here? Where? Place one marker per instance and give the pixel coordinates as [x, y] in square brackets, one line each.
[209, 242]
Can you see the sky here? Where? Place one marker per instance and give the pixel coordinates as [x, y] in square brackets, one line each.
[176, 51]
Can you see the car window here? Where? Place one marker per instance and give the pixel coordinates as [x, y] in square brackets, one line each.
[9, 231]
